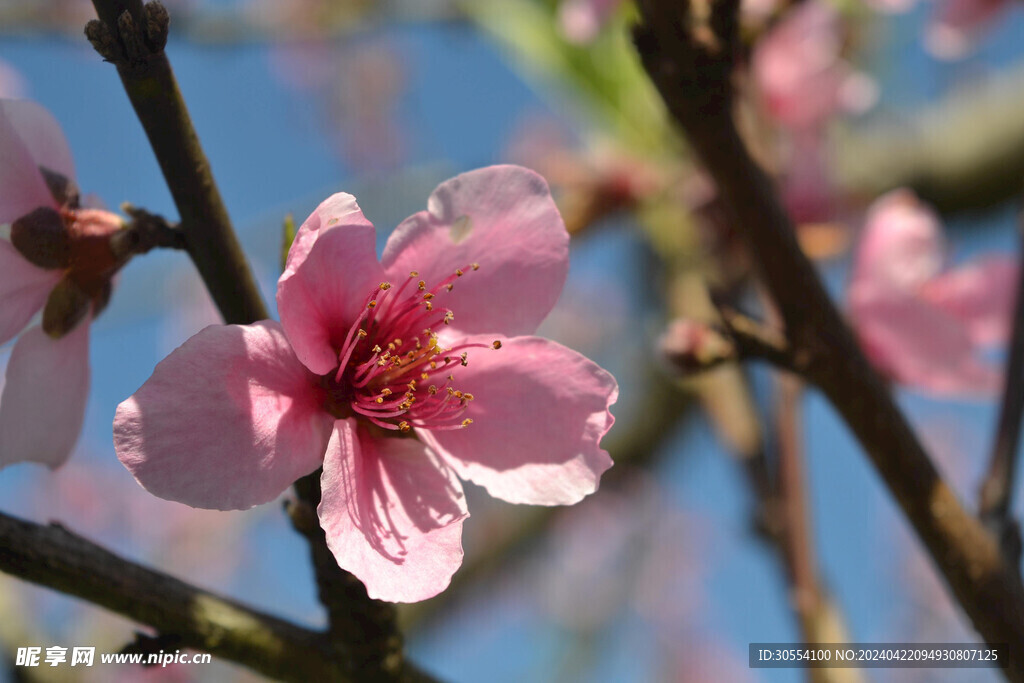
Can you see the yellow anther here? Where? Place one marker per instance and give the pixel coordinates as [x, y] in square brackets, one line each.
[450, 286]
[468, 396]
[384, 286]
[421, 285]
[376, 348]
[448, 317]
[379, 399]
[465, 359]
[467, 422]
[475, 266]
[429, 306]
[424, 375]
[496, 344]
[458, 272]
[403, 426]
[372, 303]
[385, 392]
[428, 296]
[361, 334]
[413, 273]
[432, 389]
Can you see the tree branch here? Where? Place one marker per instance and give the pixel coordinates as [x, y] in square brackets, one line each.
[997, 488]
[132, 37]
[691, 67]
[54, 557]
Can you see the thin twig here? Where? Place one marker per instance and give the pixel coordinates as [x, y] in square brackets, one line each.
[132, 38]
[820, 619]
[54, 557]
[691, 65]
[997, 488]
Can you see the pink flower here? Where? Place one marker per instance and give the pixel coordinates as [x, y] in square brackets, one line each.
[801, 73]
[396, 376]
[956, 25]
[920, 324]
[58, 260]
[582, 20]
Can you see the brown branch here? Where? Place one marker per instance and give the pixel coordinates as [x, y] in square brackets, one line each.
[54, 557]
[133, 36]
[997, 488]
[820, 618]
[352, 616]
[691, 67]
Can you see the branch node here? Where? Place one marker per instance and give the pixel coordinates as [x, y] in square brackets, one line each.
[103, 40]
[158, 23]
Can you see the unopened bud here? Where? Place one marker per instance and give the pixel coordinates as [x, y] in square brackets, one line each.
[692, 345]
[42, 238]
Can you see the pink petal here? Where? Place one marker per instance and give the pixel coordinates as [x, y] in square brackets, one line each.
[504, 219]
[980, 294]
[956, 24]
[539, 412]
[41, 134]
[24, 289]
[44, 397]
[393, 513]
[901, 246]
[798, 66]
[920, 345]
[22, 187]
[227, 421]
[581, 20]
[332, 268]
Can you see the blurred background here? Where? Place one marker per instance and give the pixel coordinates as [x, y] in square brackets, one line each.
[679, 561]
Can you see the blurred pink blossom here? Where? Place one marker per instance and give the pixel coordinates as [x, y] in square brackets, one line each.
[920, 323]
[12, 84]
[59, 257]
[800, 70]
[384, 388]
[581, 20]
[956, 25]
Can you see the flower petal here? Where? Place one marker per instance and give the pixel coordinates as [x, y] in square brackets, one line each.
[23, 290]
[22, 187]
[918, 344]
[956, 24]
[392, 512]
[980, 294]
[332, 267]
[44, 396]
[41, 134]
[539, 412]
[503, 218]
[901, 246]
[227, 421]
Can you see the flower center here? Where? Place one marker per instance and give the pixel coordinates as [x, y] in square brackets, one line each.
[393, 369]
